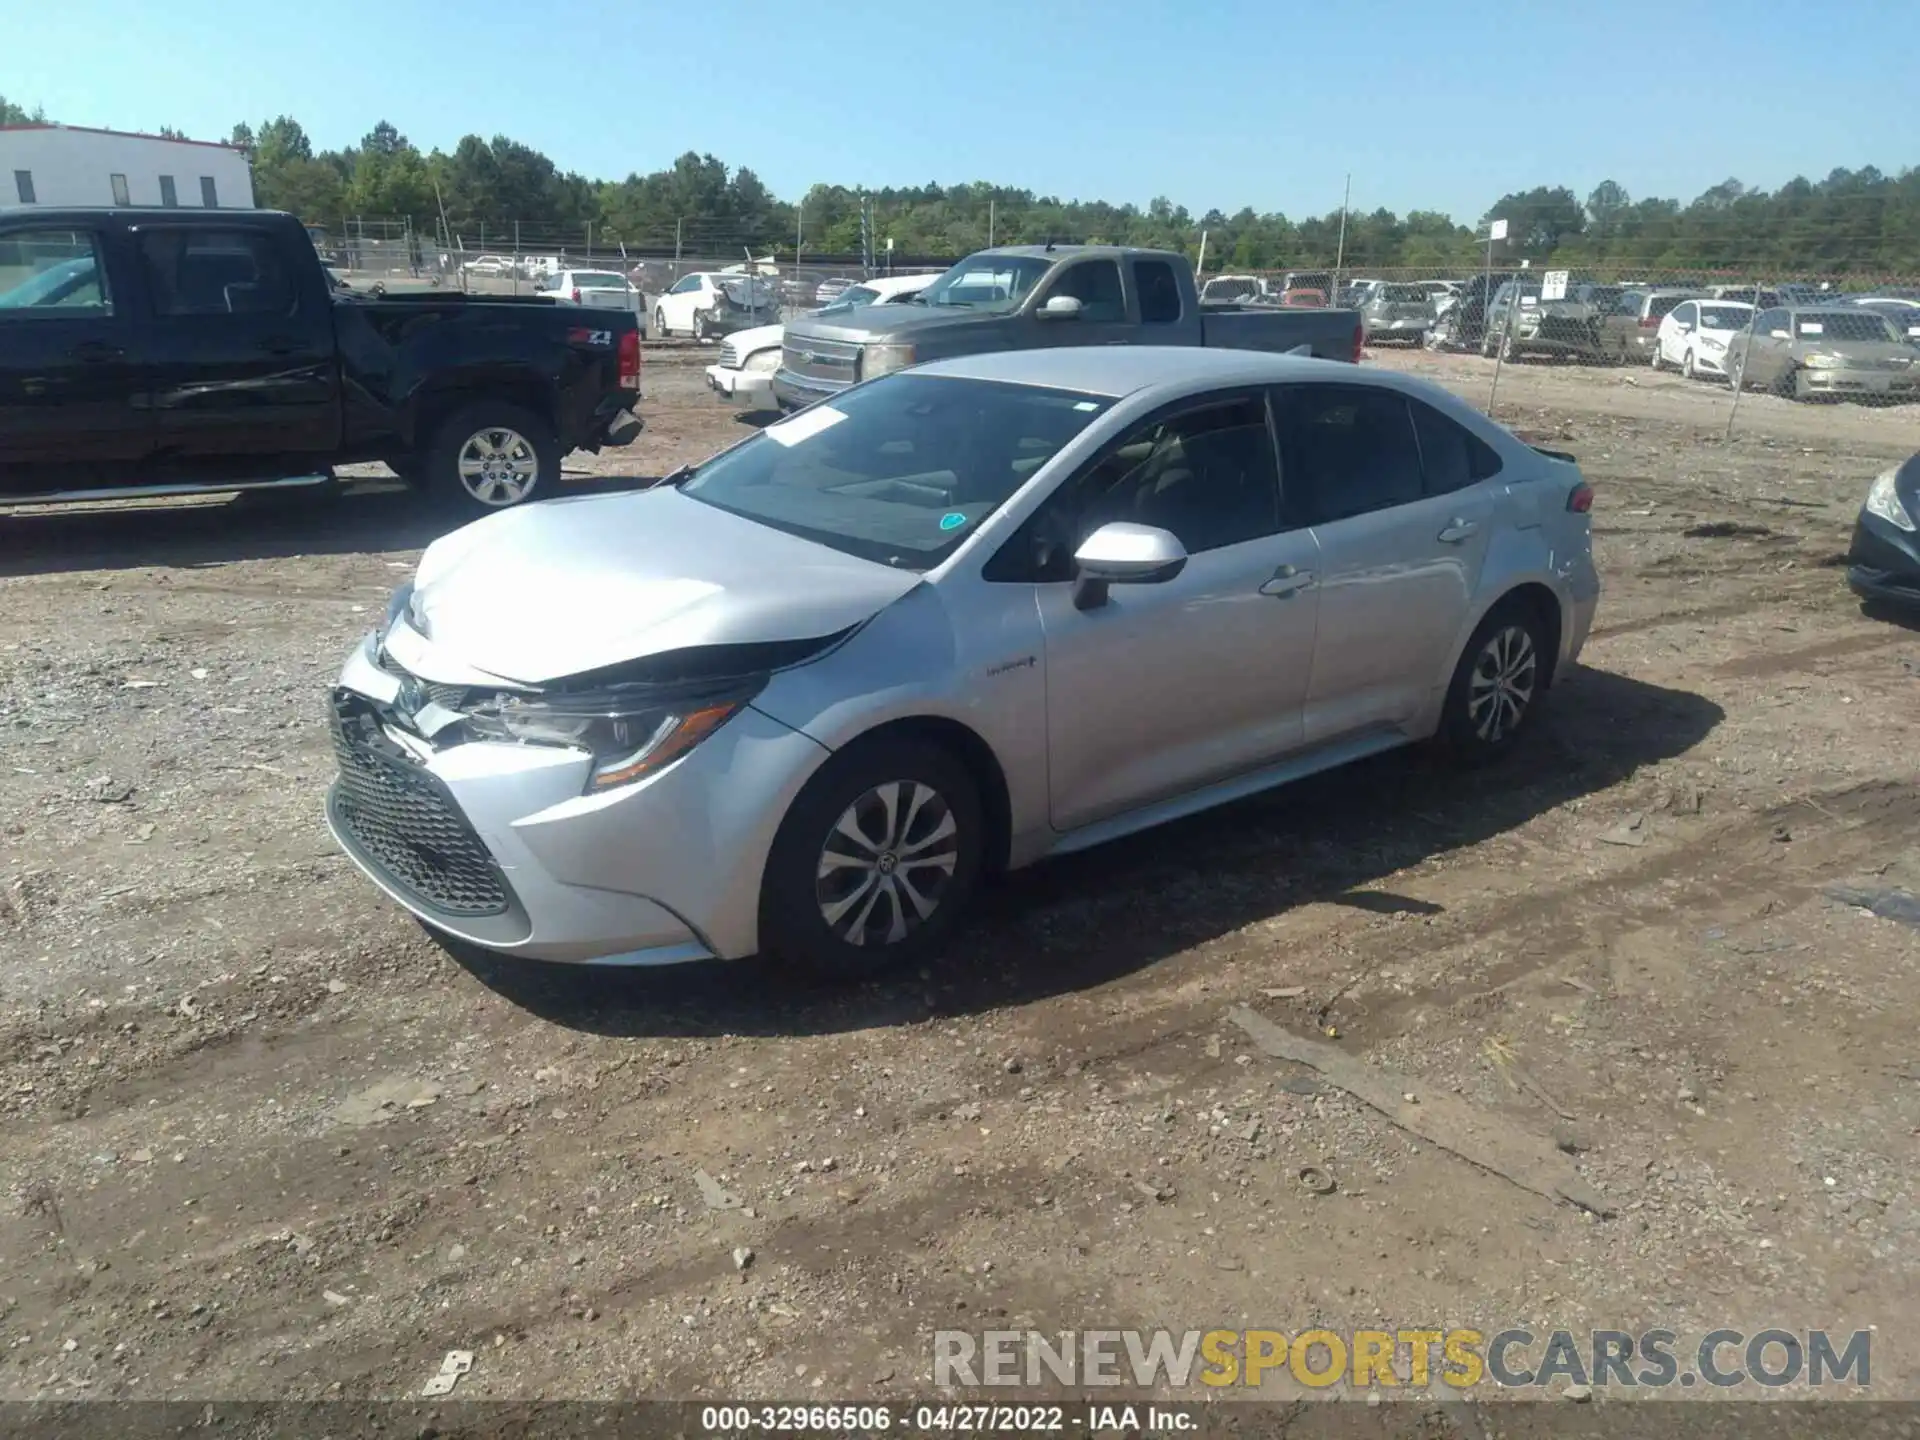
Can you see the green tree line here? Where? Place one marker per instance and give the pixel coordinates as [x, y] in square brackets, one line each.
[1862, 220]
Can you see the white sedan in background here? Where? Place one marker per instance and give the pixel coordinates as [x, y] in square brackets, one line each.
[743, 377]
[1693, 336]
[597, 290]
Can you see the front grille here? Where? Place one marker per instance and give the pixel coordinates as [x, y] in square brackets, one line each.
[837, 360]
[404, 822]
[729, 356]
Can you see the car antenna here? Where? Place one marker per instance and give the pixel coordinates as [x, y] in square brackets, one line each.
[1049, 244]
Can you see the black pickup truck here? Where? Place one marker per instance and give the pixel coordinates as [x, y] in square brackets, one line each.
[170, 352]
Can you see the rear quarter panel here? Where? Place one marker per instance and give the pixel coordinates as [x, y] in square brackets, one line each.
[406, 363]
[1330, 333]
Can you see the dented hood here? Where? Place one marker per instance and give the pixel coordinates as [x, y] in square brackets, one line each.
[536, 594]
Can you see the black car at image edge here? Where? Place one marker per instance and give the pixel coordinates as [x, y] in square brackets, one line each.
[178, 351]
[1883, 563]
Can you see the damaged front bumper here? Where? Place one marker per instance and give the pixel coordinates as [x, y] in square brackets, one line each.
[497, 843]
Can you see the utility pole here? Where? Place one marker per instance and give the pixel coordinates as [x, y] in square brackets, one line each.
[799, 234]
[1340, 254]
[676, 249]
[990, 218]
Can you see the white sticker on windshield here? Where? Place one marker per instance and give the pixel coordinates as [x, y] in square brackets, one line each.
[1807, 327]
[1913, 329]
[1088, 405]
[805, 425]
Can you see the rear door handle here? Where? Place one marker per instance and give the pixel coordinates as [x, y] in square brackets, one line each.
[279, 345]
[1287, 581]
[1457, 531]
[95, 352]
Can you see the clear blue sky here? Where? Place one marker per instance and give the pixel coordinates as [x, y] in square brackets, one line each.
[1430, 104]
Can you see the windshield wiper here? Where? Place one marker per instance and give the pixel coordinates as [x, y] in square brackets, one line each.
[675, 479]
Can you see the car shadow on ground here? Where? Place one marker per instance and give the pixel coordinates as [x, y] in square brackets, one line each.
[1095, 917]
[359, 517]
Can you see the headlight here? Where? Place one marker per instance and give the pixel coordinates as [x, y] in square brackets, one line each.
[884, 358]
[1884, 500]
[762, 362]
[1824, 362]
[629, 737]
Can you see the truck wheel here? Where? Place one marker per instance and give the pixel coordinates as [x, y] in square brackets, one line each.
[492, 456]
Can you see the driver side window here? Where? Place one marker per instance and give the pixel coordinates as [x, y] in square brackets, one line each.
[1096, 285]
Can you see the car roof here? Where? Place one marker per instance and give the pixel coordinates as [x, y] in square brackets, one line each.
[1058, 252]
[896, 284]
[1120, 370]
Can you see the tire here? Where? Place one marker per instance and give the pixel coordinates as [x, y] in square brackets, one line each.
[1654, 362]
[1737, 374]
[806, 915]
[490, 456]
[1509, 352]
[700, 325]
[659, 324]
[1687, 370]
[1417, 340]
[1480, 723]
[1787, 387]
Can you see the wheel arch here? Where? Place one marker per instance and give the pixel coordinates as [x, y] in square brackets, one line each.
[972, 750]
[1539, 600]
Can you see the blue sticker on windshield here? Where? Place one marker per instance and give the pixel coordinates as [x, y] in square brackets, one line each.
[952, 520]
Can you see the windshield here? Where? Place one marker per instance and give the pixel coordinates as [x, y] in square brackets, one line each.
[1725, 317]
[598, 280]
[988, 282]
[900, 470]
[1402, 294]
[69, 283]
[1842, 325]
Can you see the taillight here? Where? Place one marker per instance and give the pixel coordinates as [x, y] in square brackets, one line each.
[576, 294]
[1580, 498]
[630, 360]
[1359, 341]
[1651, 322]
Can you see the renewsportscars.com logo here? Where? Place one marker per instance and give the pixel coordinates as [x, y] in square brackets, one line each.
[1378, 1359]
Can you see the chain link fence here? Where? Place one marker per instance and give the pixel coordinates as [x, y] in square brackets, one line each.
[515, 260]
[1850, 337]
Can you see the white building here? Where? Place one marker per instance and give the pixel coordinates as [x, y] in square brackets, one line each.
[74, 165]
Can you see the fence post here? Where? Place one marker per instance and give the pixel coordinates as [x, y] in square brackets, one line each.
[1738, 380]
[1506, 335]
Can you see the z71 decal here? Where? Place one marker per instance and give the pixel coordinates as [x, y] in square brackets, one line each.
[600, 338]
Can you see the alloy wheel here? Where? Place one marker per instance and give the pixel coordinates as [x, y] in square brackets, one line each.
[1502, 683]
[886, 864]
[498, 466]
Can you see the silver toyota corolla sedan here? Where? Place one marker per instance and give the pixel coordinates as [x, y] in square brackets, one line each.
[799, 699]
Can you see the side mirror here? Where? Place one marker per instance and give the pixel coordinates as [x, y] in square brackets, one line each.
[1122, 553]
[1780, 334]
[1060, 307]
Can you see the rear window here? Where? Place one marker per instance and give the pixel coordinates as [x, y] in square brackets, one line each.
[1725, 317]
[1842, 325]
[598, 280]
[1660, 306]
[1403, 294]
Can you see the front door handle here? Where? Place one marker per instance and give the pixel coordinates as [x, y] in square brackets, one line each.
[279, 345]
[1287, 581]
[1457, 531]
[96, 352]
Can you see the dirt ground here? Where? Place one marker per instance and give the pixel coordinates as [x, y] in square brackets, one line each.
[263, 1137]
